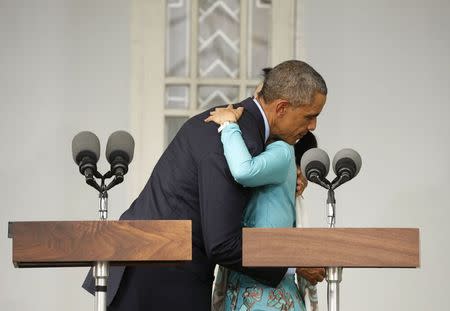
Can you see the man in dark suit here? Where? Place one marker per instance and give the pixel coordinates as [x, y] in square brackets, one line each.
[192, 181]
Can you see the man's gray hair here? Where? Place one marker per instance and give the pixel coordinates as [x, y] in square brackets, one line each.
[294, 81]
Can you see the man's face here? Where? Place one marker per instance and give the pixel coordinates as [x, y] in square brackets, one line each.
[294, 122]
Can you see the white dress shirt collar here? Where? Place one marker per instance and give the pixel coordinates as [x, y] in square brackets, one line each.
[266, 122]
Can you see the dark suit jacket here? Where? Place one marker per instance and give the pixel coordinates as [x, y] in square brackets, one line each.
[192, 181]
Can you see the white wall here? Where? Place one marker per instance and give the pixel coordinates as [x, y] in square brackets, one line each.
[387, 66]
[64, 67]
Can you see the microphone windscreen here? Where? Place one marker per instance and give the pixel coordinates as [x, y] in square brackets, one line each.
[85, 142]
[315, 154]
[349, 154]
[120, 141]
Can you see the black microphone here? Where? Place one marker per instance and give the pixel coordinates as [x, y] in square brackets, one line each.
[86, 152]
[315, 165]
[346, 165]
[119, 152]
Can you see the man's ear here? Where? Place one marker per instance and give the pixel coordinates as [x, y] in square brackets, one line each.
[281, 107]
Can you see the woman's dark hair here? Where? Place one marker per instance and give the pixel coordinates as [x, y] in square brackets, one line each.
[307, 142]
[265, 71]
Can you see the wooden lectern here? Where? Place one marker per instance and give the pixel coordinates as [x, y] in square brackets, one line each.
[85, 243]
[334, 248]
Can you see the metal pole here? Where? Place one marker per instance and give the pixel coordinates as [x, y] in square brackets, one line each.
[103, 210]
[101, 268]
[334, 274]
[331, 215]
[101, 277]
[331, 208]
[334, 277]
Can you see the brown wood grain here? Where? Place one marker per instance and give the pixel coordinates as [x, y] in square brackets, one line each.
[80, 243]
[337, 247]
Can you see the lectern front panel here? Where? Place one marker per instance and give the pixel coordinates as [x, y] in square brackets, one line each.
[80, 243]
[336, 247]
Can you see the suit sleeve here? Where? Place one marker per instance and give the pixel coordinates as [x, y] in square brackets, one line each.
[269, 167]
[222, 202]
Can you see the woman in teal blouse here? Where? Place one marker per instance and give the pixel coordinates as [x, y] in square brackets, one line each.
[273, 173]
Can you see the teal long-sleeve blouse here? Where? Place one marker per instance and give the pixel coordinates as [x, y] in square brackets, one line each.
[273, 175]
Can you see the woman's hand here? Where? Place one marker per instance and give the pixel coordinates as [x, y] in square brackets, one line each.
[313, 275]
[302, 183]
[221, 115]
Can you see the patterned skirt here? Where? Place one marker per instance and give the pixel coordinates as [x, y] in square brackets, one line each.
[244, 294]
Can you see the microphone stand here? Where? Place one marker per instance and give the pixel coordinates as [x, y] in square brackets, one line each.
[101, 268]
[334, 274]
